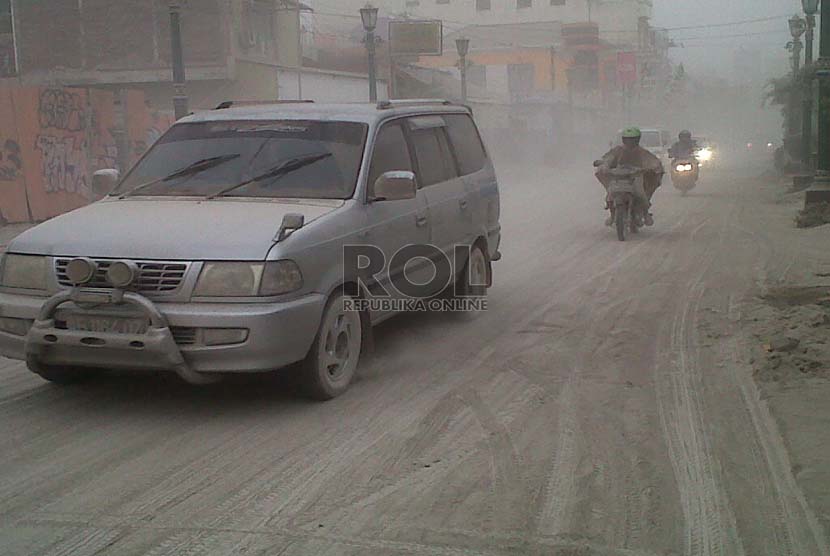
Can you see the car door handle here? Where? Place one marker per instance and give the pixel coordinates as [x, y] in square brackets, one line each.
[462, 204]
[421, 221]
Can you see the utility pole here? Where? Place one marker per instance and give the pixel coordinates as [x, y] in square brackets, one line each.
[463, 47]
[180, 103]
[810, 9]
[820, 191]
[299, 52]
[797, 28]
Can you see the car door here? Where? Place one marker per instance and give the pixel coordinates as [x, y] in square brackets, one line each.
[393, 225]
[446, 192]
[480, 184]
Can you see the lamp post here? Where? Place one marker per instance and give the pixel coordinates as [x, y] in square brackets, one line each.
[369, 17]
[810, 10]
[797, 28]
[463, 47]
[179, 80]
[820, 191]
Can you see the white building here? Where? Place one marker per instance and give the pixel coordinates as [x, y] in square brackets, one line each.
[618, 19]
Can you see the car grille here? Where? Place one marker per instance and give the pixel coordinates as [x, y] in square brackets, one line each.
[184, 336]
[153, 277]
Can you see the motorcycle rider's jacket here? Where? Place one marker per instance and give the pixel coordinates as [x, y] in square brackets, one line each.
[637, 157]
[683, 149]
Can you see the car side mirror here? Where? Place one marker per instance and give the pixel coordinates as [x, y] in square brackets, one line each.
[104, 181]
[395, 186]
[598, 163]
[290, 223]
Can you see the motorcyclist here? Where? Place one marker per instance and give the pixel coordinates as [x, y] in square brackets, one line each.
[630, 153]
[685, 147]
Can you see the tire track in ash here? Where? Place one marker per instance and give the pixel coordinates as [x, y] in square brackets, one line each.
[709, 521]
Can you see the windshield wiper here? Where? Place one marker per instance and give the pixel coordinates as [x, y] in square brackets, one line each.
[190, 170]
[290, 165]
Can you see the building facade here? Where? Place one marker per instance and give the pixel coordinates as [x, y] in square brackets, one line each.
[233, 49]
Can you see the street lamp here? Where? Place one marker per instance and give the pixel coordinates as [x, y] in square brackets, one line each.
[463, 47]
[369, 17]
[810, 10]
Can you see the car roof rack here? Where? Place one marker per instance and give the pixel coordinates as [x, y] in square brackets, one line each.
[231, 103]
[389, 104]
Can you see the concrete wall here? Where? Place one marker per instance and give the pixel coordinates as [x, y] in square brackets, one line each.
[328, 86]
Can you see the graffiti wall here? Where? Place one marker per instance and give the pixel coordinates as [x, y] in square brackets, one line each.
[53, 139]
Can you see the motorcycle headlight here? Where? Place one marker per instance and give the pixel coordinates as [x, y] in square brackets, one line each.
[705, 155]
[681, 168]
[226, 279]
[23, 271]
[689, 167]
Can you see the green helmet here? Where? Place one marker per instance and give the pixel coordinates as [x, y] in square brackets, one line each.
[632, 133]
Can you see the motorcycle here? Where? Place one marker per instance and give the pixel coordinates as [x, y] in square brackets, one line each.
[685, 173]
[627, 213]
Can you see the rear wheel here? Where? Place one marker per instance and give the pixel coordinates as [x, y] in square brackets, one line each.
[619, 217]
[332, 361]
[469, 282]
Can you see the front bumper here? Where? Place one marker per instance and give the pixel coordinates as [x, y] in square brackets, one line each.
[279, 333]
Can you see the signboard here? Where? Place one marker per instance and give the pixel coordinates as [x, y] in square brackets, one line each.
[626, 68]
[416, 38]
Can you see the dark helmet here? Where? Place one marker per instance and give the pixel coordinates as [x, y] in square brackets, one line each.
[685, 135]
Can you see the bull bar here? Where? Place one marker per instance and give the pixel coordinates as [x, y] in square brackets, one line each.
[157, 342]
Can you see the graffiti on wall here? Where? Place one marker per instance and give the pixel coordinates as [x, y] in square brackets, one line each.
[62, 141]
[11, 160]
[60, 109]
[64, 164]
[53, 139]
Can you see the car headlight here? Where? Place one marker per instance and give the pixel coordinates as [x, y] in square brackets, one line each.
[23, 271]
[226, 279]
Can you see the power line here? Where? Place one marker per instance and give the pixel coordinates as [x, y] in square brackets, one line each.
[729, 24]
[740, 35]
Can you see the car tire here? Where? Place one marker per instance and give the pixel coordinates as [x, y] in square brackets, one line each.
[332, 361]
[476, 271]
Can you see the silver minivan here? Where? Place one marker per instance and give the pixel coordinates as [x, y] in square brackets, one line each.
[225, 249]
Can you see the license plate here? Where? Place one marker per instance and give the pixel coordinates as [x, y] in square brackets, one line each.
[109, 325]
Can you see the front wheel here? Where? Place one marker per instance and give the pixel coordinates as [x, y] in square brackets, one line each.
[332, 361]
[619, 216]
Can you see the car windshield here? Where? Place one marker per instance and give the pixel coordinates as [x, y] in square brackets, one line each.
[203, 159]
[651, 139]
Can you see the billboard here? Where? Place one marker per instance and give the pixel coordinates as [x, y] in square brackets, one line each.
[626, 68]
[416, 38]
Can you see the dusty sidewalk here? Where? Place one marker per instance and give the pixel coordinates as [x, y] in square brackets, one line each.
[786, 329]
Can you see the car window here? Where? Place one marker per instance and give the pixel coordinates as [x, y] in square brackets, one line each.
[253, 148]
[650, 140]
[466, 142]
[432, 152]
[391, 152]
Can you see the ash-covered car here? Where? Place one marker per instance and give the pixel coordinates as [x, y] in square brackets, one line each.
[222, 249]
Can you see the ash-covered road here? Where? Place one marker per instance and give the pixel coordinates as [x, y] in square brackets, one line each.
[601, 406]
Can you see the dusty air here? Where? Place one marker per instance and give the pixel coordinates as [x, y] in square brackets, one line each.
[436, 277]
